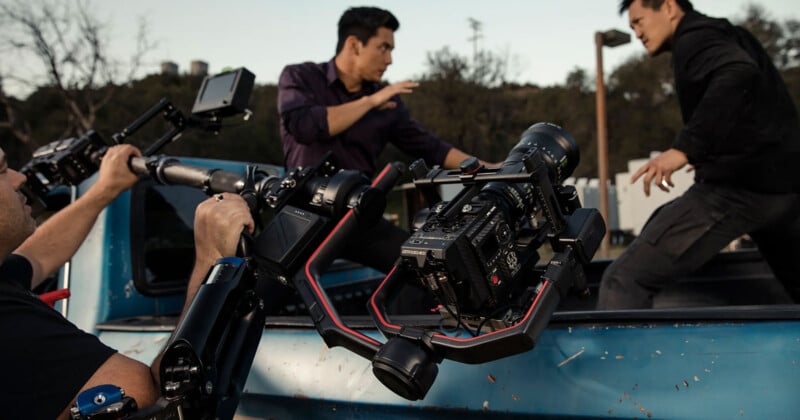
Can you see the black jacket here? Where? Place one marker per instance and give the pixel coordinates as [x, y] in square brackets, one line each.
[740, 124]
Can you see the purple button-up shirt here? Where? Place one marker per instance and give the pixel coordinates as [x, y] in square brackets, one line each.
[306, 90]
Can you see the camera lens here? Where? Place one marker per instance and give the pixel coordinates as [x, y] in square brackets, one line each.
[559, 150]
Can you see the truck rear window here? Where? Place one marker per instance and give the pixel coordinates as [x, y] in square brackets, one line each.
[162, 240]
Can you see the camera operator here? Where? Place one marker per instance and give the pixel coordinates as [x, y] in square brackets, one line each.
[49, 361]
[741, 134]
[342, 106]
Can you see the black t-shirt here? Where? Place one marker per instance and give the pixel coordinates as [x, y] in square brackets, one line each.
[47, 358]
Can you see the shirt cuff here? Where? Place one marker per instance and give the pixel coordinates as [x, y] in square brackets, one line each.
[687, 145]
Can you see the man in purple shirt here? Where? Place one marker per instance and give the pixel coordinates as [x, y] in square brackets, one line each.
[342, 106]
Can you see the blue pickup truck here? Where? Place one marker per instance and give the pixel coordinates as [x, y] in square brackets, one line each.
[724, 343]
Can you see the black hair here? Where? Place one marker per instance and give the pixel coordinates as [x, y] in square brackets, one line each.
[686, 5]
[363, 23]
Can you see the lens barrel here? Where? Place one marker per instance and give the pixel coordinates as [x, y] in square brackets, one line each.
[558, 150]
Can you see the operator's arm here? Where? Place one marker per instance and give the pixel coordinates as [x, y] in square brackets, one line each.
[57, 239]
[218, 225]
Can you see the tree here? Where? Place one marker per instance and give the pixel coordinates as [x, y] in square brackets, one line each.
[781, 40]
[69, 44]
[487, 68]
[578, 79]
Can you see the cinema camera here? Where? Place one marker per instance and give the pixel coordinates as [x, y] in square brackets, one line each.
[477, 254]
[70, 161]
[467, 251]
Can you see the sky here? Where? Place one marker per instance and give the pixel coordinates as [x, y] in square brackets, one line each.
[543, 39]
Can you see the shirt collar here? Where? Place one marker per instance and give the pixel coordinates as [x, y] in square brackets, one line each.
[332, 77]
[330, 72]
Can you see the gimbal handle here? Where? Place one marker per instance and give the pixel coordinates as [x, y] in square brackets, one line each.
[330, 326]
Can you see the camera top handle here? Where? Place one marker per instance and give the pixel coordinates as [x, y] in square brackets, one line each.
[174, 116]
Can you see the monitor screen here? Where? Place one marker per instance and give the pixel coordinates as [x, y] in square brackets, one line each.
[218, 88]
[225, 94]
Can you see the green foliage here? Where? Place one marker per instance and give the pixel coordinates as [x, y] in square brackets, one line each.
[643, 111]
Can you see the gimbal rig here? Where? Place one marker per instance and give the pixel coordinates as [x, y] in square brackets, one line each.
[477, 254]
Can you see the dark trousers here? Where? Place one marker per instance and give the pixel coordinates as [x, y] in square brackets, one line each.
[687, 232]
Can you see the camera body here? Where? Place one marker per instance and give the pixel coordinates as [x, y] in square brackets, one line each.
[469, 262]
[478, 254]
[62, 162]
[472, 253]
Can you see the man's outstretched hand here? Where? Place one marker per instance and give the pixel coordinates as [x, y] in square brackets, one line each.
[382, 98]
[659, 169]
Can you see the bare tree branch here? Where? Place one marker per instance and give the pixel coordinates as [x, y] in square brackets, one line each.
[70, 45]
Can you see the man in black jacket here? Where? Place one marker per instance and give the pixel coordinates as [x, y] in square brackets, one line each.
[741, 134]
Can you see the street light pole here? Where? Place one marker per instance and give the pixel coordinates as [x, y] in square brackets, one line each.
[602, 143]
[611, 38]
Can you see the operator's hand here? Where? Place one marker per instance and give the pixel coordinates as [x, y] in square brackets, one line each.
[115, 176]
[218, 224]
[382, 99]
[659, 169]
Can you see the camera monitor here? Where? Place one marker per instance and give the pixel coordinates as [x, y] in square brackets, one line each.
[224, 94]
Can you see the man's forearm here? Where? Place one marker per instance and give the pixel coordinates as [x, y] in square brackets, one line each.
[454, 158]
[56, 240]
[341, 117]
